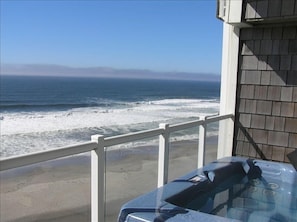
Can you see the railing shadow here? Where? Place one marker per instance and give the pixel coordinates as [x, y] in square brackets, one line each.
[250, 140]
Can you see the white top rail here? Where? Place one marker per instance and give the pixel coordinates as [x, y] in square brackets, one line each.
[41, 156]
[32, 158]
[217, 118]
[130, 137]
[185, 125]
[195, 123]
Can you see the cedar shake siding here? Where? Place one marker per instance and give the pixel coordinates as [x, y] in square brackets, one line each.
[266, 98]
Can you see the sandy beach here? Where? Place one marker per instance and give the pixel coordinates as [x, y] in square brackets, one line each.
[59, 190]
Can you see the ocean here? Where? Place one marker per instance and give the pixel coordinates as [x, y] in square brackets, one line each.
[40, 113]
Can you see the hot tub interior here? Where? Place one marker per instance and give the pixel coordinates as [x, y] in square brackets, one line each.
[243, 191]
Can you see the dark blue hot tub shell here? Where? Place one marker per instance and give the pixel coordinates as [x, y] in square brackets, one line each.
[230, 189]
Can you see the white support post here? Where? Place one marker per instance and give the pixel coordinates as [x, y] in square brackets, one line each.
[163, 155]
[201, 146]
[98, 180]
[228, 88]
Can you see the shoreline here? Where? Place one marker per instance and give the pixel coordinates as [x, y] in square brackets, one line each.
[59, 190]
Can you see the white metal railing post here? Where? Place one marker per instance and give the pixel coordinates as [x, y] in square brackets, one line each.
[163, 155]
[98, 180]
[201, 145]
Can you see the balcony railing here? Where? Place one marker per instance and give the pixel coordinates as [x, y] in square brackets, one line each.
[98, 145]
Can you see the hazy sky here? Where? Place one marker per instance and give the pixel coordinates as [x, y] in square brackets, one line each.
[158, 35]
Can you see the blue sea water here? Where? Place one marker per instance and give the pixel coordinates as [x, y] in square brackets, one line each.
[38, 113]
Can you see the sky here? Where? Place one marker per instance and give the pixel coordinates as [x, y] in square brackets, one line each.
[155, 35]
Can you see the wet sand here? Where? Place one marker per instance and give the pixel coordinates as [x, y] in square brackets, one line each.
[59, 190]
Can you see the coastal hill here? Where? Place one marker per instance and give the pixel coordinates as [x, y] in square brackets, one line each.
[103, 72]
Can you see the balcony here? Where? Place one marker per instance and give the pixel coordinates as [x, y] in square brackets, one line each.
[99, 147]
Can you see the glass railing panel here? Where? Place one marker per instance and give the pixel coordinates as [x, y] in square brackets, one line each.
[131, 170]
[183, 152]
[57, 190]
[211, 143]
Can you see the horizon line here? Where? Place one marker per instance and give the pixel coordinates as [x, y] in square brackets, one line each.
[101, 72]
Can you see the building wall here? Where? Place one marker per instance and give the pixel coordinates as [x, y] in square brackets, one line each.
[269, 10]
[266, 98]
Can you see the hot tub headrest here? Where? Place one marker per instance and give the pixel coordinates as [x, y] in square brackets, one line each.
[251, 169]
[223, 171]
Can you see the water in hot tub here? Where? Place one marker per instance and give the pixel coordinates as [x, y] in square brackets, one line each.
[261, 199]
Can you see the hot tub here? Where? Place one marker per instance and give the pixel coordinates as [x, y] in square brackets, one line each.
[229, 189]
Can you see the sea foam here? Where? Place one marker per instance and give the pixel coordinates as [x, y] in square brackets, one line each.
[23, 132]
[132, 113]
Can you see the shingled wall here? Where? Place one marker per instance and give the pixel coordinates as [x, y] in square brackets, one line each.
[269, 10]
[266, 109]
